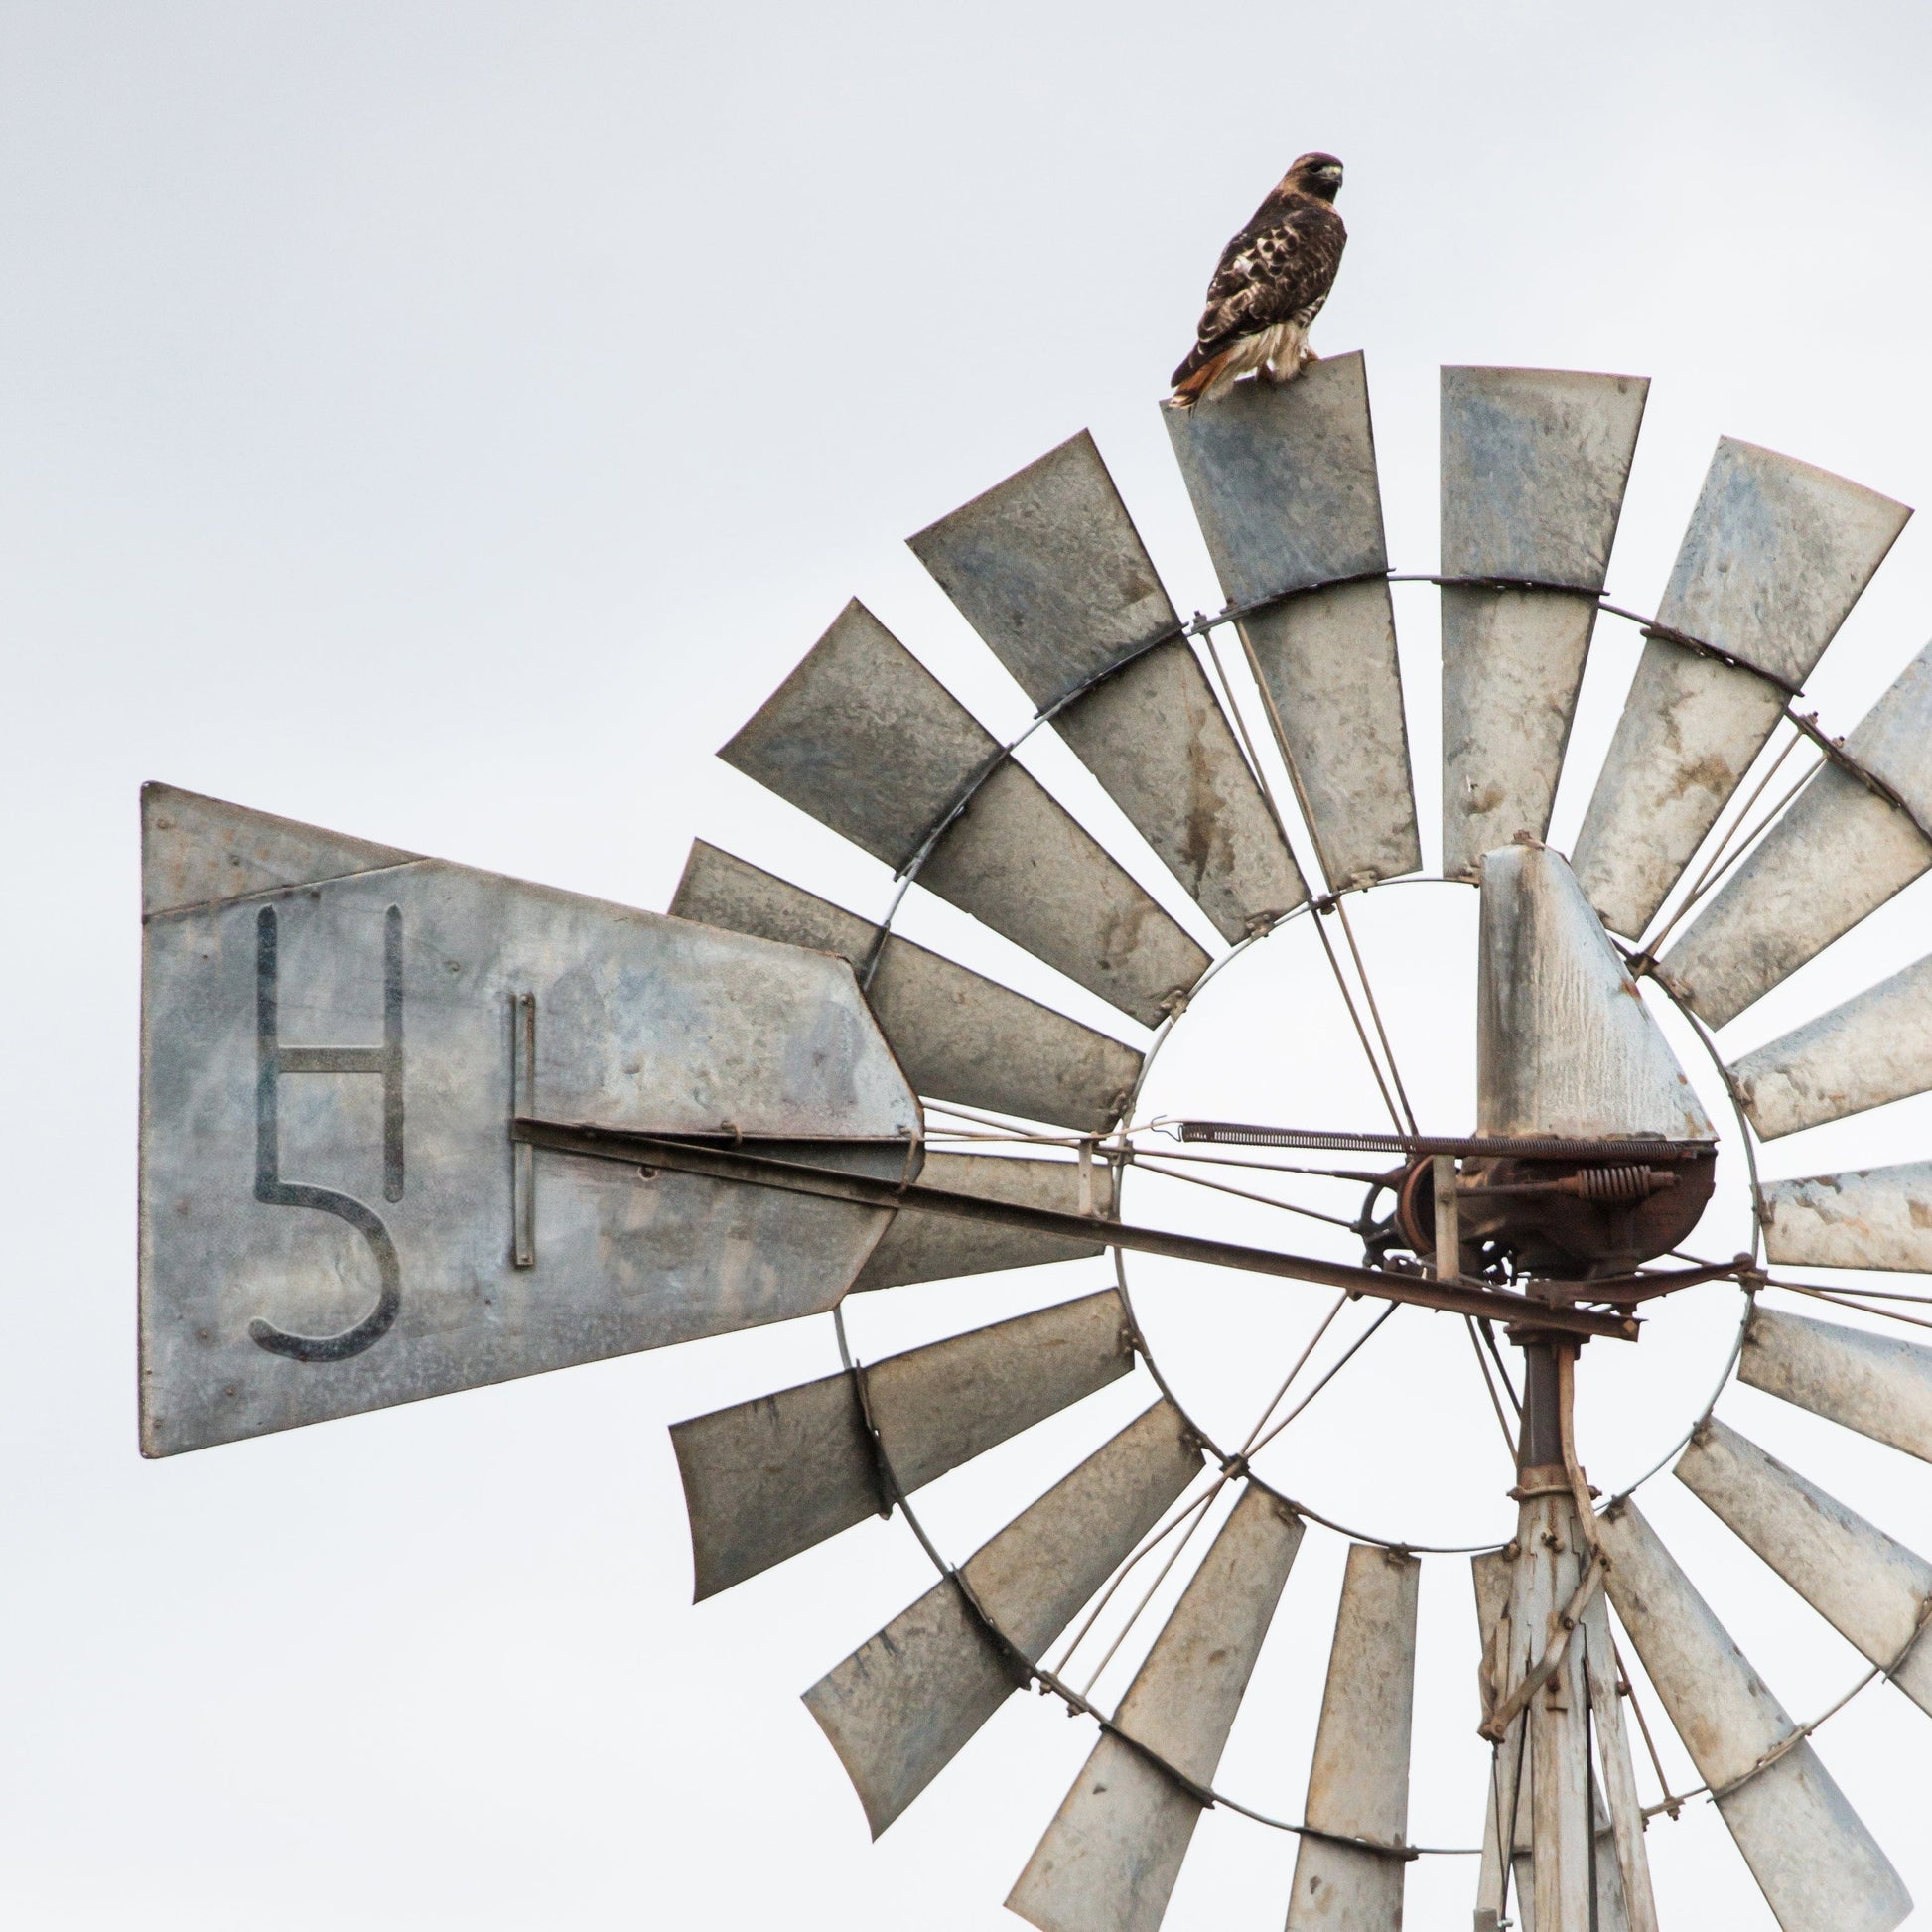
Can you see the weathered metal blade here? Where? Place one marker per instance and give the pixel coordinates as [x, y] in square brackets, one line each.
[1017, 861]
[1504, 1792]
[1819, 1868]
[1050, 570]
[1284, 485]
[935, 1248]
[867, 741]
[1836, 853]
[1875, 1049]
[1109, 1860]
[1879, 1218]
[1358, 1783]
[958, 1035]
[1874, 1384]
[333, 1219]
[1564, 1041]
[1869, 1589]
[903, 1706]
[1776, 554]
[768, 1479]
[1533, 468]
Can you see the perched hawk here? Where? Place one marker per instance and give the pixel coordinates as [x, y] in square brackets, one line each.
[1272, 279]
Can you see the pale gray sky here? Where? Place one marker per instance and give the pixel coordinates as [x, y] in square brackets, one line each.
[444, 424]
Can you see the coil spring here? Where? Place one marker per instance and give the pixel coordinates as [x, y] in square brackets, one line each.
[1618, 1187]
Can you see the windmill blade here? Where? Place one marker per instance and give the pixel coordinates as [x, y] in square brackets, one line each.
[1819, 1868]
[1881, 1387]
[1878, 1217]
[1358, 1783]
[768, 1479]
[920, 1247]
[1873, 1049]
[1836, 853]
[958, 1035]
[1492, 1572]
[1284, 485]
[1049, 568]
[867, 741]
[1871, 1589]
[1109, 1860]
[903, 1706]
[1533, 468]
[333, 1219]
[1776, 554]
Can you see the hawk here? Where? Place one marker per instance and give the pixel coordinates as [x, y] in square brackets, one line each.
[1272, 279]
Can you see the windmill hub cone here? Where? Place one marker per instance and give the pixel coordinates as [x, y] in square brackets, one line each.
[1565, 1048]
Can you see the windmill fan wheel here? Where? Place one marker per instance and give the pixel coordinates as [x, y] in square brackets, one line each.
[1728, 841]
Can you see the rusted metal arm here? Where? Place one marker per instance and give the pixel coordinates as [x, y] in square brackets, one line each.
[1514, 1147]
[865, 1191]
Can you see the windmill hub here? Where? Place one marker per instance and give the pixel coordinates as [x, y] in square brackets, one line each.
[1564, 1219]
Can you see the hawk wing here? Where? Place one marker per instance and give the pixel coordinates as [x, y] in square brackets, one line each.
[1280, 268]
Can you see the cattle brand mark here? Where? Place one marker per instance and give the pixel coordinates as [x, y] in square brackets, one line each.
[273, 1062]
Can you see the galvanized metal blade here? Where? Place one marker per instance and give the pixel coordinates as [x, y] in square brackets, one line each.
[333, 1217]
[1109, 1860]
[1358, 1783]
[904, 1705]
[1049, 568]
[1836, 853]
[1776, 554]
[1564, 1041]
[936, 1248]
[1284, 484]
[1533, 468]
[1506, 1797]
[768, 1479]
[1875, 1049]
[958, 1034]
[1870, 1589]
[1879, 1386]
[867, 740]
[1878, 1217]
[1819, 1868]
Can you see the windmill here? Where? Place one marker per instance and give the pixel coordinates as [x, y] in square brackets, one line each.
[409, 1128]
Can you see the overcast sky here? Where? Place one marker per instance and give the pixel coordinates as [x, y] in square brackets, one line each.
[445, 424]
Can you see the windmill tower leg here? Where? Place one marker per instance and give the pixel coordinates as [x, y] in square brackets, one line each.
[1549, 1568]
[1563, 1792]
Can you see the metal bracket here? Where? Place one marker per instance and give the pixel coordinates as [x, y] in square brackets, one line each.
[523, 1156]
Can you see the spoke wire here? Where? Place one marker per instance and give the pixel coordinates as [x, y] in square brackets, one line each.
[1721, 864]
[1360, 1177]
[1147, 1162]
[1838, 1299]
[1315, 839]
[1255, 1446]
[1495, 1401]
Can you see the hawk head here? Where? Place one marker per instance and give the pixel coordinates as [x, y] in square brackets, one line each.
[1317, 174]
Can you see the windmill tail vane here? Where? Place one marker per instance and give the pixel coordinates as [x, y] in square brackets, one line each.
[410, 1128]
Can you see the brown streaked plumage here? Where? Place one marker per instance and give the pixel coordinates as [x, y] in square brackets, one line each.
[1272, 279]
